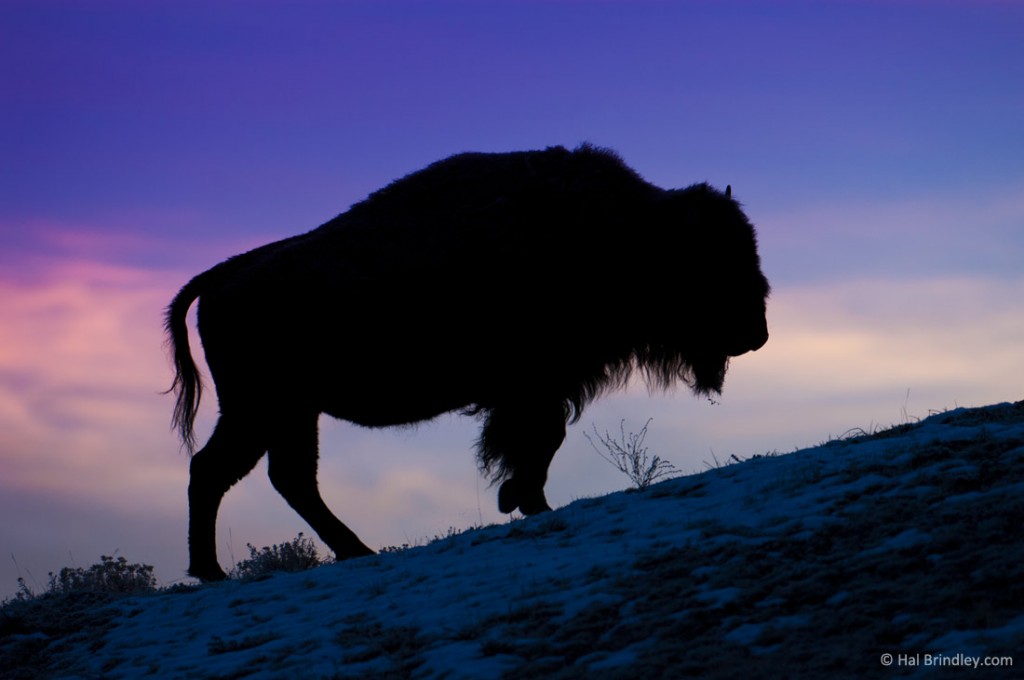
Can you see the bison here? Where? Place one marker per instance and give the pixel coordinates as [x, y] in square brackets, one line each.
[515, 287]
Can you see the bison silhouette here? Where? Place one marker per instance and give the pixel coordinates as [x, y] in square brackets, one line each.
[515, 287]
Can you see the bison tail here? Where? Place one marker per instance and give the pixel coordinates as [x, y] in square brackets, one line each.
[188, 384]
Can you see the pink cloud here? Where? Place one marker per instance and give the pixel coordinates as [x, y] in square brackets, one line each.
[81, 368]
[117, 251]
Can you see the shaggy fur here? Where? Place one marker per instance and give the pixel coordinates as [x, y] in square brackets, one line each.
[517, 287]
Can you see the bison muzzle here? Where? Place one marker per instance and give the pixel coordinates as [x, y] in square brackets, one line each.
[515, 287]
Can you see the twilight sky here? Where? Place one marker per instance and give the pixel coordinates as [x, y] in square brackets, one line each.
[878, 147]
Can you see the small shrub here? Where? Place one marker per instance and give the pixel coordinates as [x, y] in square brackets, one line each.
[298, 555]
[110, 575]
[629, 455]
[394, 549]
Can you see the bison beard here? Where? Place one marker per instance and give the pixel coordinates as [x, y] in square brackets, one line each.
[517, 287]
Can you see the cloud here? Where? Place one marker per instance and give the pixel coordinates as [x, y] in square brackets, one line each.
[81, 368]
[866, 334]
[121, 247]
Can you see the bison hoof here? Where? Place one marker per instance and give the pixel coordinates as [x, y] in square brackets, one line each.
[535, 507]
[352, 553]
[511, 496]
[208, 574]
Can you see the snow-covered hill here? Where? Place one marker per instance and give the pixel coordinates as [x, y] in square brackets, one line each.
[887, 554]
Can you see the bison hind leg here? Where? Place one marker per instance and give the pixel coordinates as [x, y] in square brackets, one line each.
[231, 454]
[293, 458]
[516, 445]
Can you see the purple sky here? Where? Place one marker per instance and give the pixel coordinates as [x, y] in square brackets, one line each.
[878, 146]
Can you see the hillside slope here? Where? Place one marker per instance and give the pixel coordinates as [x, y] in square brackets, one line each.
[818, 563]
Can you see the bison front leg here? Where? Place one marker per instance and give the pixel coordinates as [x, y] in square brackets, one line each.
[523, 440]
[231, 454]
[293, 468]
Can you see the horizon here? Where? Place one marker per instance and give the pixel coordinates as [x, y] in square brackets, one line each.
[877, 148]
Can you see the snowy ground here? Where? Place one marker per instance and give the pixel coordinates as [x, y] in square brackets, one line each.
[818, 563]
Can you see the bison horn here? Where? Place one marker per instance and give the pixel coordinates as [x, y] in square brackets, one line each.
[728, 191]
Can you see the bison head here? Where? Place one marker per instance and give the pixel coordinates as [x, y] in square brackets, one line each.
[713, 269]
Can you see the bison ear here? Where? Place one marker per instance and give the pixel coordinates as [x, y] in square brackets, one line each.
[728, 191]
